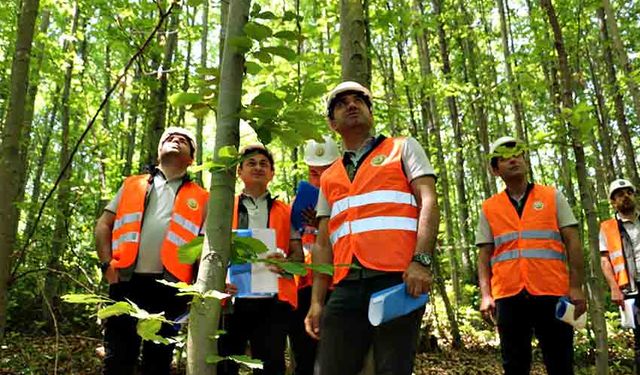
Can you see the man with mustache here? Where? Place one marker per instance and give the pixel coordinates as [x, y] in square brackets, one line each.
[377, 210]
[620, 250]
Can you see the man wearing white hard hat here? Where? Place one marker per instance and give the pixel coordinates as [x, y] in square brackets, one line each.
[377, 210]
[527, 236]
[620, 251]
[137, 239]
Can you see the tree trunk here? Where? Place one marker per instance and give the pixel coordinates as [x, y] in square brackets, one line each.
[63, 210]
[13, 135]
[132, 126]
[463, 209]
[618, 99]
[204, 315]
[595, 293]
[204, 52]
[159, 94]
[354, 57]
[190, 21]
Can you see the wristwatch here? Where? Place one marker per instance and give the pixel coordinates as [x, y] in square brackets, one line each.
[104, 266]
[423, 258]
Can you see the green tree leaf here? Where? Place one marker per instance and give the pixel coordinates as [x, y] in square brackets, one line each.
[252, 68]
[326, 269]
[148, 330]
[266, 15]
[263, 56]
[84, 298]
[286, 35]
[312, 90]
[282, 51]
[247, 361]
[213, 359]
[267, 99]
[116, 309]
[257, 31]
[190, 252]
[184, 98]
[243, 43]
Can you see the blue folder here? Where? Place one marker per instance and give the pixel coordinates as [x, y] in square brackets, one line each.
[306, 196]
[393, 302]
[240, 274]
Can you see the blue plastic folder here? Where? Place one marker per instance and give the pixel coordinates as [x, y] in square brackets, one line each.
[393, 302]
[240, 274]
[306, 196]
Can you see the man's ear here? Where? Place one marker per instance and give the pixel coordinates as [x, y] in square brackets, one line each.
[332, 124]
[494, 171]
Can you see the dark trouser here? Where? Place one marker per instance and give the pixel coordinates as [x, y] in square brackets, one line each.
[346, 334]
[263, 323]
[302, 345]
[636, 338]
[521, 316]
[121, 341]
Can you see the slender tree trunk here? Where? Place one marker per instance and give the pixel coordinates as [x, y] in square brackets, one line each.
[389, 84]
[190, 21]
[354, 57]
[62, 214]
[595, 293]
[463, 209]
[13, 135]
[204, 52]
[204, 315]
[618, 100]
[159, 95]
[132, 123]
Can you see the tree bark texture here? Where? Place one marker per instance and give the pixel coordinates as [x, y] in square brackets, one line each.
[354, 57]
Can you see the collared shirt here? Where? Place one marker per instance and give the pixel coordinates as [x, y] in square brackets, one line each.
[632, 227]
[256, 213]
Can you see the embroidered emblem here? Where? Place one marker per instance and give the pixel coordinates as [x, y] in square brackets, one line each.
[192, 203]
[538, 205]
[378, 160]
[622, 183]
[319, 150]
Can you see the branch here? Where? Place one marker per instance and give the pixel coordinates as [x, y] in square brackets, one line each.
[114, 86]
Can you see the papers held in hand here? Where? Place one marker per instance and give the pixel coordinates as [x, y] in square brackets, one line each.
[564, 312]
[393, 302]
[628, 313]
[306, 196]
[254, 280]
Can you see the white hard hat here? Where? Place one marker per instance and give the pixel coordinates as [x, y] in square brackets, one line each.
[620, 184]
[345, 87]
[320, 154]
[182, 131]
[501, 142]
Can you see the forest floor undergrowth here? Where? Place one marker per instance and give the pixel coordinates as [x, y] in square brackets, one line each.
[22, 354]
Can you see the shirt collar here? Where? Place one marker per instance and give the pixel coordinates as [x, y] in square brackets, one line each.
[627, 220]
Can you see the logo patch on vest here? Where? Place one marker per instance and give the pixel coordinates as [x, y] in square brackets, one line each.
[192, 203]
[538, 205]
[378, 160]
[319, 151]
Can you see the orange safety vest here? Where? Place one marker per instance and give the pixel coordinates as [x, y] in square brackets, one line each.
[375, 216]
[616, 255]
[189, 210]
[280, 221]
[528, 251]
[308, 239]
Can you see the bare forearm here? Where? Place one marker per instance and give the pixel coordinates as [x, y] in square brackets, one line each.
[321, 281]
[428, 222]
[484, 270]
[607, 271]
[103, 242]
[296, 254]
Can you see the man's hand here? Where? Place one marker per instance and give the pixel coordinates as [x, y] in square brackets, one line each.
[418, 279]
[312, 321]
[488, 310]
[309, 217]
[616, 296]
[111, 275]
[274, 267]
[231, 289]
[576, 295]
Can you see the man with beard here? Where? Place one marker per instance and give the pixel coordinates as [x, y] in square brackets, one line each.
[526, 236]
[620, 250]
[377, 210]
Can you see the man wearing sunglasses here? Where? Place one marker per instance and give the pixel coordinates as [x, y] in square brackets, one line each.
[620, 250]
[527, 235]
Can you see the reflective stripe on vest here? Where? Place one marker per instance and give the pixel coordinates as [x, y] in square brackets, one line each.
[127, 219]
[527, 234]
[186, 224]
[374, 223]
[529, 254]
[133, 237]
[380, 196]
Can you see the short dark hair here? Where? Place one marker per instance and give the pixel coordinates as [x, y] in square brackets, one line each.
[252, 150]
[358, 93]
